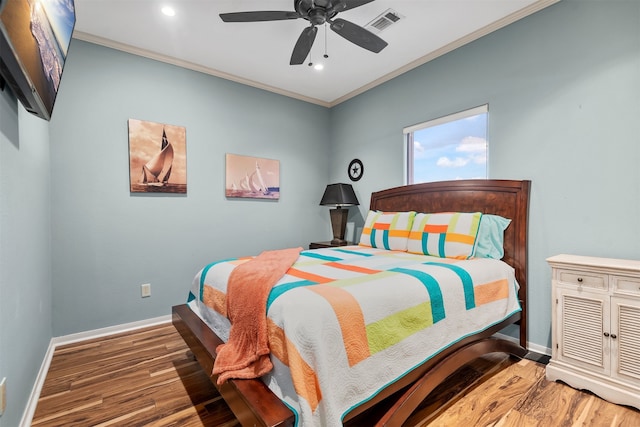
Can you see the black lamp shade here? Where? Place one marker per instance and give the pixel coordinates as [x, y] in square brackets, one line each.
[339, 195]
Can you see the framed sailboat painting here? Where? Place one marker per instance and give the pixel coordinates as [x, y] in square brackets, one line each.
[252, 177]
[157, 157]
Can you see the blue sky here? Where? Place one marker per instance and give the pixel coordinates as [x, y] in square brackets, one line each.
[454, 150]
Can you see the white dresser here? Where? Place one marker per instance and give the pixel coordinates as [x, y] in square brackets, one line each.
[596, 326]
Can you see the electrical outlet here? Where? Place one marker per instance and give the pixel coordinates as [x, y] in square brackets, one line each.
[3, 395]
[145, 290]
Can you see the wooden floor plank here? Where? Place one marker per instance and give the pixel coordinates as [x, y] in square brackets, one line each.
[489, 398]
[149, 377]
[518, 419]
[603, 413]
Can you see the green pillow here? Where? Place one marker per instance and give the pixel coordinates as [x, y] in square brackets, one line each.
[490, 241]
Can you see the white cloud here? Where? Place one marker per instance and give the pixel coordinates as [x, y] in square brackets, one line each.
[470, 149]
[419, 150]
[446, 162]
[472, 144]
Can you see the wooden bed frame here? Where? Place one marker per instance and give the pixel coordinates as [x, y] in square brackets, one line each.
[255, 405]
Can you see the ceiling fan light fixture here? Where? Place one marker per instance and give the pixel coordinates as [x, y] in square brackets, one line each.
[317, 16]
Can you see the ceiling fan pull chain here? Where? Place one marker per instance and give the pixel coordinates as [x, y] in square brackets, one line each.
[325, 41]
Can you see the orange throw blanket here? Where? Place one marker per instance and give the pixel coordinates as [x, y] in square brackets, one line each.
[246, 353]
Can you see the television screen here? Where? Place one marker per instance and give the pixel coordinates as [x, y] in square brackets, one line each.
[34, 39]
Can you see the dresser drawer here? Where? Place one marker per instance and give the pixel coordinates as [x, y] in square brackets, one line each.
[626, 285]
[582, 278]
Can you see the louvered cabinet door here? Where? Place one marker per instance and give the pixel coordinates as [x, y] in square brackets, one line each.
[582, 330]
[625, 337]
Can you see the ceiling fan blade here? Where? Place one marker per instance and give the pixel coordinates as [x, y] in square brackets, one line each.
[358, 35]
[266, 15]
[303, 45]
[352, 4]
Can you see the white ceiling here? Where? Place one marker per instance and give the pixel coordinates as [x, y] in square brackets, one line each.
[258, 53]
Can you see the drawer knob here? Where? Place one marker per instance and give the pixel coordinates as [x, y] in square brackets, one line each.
[579, 279]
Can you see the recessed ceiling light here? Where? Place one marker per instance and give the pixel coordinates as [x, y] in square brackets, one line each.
[168, 10]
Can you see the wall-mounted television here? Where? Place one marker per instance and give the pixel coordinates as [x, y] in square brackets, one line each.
[34, 40]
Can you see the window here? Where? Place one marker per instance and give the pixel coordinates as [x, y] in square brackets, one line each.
[448, 148]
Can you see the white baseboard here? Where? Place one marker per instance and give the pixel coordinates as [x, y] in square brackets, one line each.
[530, 346]
[111, 330]
[539, 349]
[30, 409]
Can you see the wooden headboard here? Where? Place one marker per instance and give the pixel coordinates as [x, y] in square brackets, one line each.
[507, 198]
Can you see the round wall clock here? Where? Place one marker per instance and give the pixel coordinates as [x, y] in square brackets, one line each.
[355, 170]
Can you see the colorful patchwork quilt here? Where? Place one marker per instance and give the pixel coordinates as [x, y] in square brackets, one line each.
[346, 322]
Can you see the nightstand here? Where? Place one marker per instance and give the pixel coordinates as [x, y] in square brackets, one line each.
[596, 326]
[318, 245]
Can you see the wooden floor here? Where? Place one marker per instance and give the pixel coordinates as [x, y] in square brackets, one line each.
[150, 378]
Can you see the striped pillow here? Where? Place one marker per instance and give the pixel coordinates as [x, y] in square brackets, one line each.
[445, 235]
[387, 230]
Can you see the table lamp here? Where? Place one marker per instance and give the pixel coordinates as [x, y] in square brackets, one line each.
[339, 195]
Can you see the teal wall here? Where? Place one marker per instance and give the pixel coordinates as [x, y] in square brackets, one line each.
[25, 252]
[121, 240]
[563, 88]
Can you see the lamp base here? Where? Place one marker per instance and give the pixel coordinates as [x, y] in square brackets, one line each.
[338, 224]
[338, 242]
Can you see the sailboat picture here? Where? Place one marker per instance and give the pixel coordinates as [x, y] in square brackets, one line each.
[157, 157]
[252, 177]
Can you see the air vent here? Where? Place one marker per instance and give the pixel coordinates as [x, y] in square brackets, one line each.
[383, 21]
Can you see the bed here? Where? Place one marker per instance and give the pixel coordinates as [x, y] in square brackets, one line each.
[254, 403]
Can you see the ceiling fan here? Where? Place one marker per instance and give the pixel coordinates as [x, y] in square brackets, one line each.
[317, 12]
